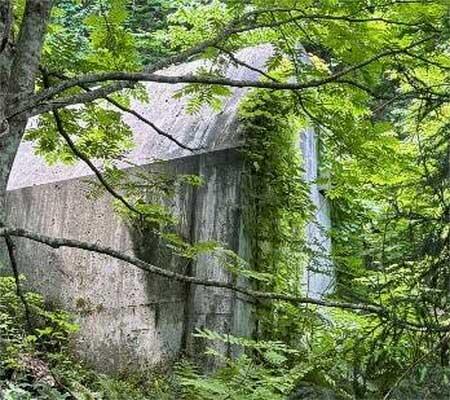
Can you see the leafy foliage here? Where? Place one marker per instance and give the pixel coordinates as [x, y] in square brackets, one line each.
[26, 355]
[38, 364]
[277, 205]
[277, 194]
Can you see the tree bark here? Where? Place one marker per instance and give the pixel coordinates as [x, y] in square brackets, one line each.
[9, 145]
[19, 63]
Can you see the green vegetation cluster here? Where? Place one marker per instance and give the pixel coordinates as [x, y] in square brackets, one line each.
[387, 180]
[340, 352]
[276, 200]
[37, 364]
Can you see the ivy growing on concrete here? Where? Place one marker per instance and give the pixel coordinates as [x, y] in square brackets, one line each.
[276, 206]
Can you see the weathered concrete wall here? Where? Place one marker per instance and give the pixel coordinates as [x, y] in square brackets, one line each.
[209, 130]
[129, 318]
[217, 216]
[319, 272]
[125, 315]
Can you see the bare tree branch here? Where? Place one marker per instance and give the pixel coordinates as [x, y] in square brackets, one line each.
[62, 131]
[125, 77]
[428, 61]
[57, 243]
[237, 61]
[81, 98]
[90, 164]
[161, 64]
[321, 17]
[139, 116]
[13, 262]
[250, 67]
[158, 130]
[5, 23]
[100, 93]
[97, 248]
[234, 28]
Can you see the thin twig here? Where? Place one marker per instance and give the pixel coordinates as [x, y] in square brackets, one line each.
[13, 262]
[90, 164]
[139, 116]
[237, 61]
[38, 104]
[444, 340]
[62, 131]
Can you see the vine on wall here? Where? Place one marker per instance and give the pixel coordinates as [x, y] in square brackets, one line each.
[277, 204]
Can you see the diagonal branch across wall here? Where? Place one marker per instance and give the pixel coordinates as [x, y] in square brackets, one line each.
[377, 310]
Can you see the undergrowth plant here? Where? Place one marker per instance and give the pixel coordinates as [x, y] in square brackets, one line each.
[36, 363]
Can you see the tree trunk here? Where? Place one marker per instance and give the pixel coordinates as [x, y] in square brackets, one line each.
[19, 64]
[9, 145]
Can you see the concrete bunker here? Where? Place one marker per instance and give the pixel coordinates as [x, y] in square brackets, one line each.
[130, 319]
